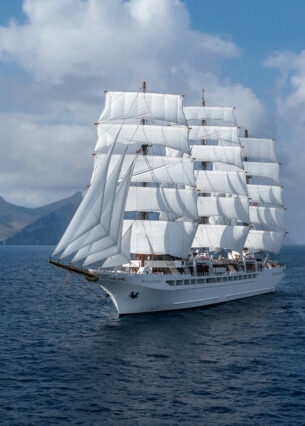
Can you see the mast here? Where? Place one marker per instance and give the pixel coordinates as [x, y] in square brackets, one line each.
[246, 135]
[221, 182]
[143, 121]
[203, 123]
[203, 219]
[144, 149]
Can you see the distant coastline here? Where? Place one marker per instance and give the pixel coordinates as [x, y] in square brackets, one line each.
[36, 226]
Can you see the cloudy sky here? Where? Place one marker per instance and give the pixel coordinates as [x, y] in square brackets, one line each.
[58, 56]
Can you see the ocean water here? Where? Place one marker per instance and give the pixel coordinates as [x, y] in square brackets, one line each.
[66, 358]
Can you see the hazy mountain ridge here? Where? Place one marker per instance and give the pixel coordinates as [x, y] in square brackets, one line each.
[43, 225]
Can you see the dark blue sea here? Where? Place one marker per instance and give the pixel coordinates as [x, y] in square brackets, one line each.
[67, 358]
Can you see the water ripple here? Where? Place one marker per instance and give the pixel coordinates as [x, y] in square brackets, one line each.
[66, 357]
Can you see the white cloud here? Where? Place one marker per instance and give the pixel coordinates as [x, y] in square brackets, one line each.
[72, 50]
[290, 103]
[35, 157]
[291, 83]
[98, 37]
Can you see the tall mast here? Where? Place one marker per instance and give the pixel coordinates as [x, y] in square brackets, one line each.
[203, 123]
[203, 163]
[144, 147]
[246, 135]
[203, 104]
[143, 121]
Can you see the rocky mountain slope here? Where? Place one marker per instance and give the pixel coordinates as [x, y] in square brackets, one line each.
[42, 225]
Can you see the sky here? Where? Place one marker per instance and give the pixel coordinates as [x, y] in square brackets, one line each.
[57, 58]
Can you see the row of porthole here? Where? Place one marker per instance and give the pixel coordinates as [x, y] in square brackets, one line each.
[210, 280]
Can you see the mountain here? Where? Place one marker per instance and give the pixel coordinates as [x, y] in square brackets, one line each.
[14, 217]
[42, 225]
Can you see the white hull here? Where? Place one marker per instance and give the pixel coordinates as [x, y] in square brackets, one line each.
[139, 293]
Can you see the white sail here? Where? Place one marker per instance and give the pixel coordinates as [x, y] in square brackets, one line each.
[141, 105]
[235, 207]
[210, 181]
[261, 169]
[265, 240]
[210, 153]
[90, 208]
[123, 255]
[259, 149]
[223, 133]
[112, 251]
[225, 114]
[174, 201]
[161, 237]
[164, 170]
[174, 170]
[100, 215]
[175, 137]
[266, 212]
[266, 194]
[221, 236]
[157, 169]
[225, 167]
[222, 199]
[272, 217]
[105, 240]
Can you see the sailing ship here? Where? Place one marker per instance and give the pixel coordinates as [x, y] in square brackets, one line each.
[181, 211]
